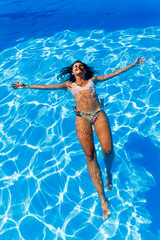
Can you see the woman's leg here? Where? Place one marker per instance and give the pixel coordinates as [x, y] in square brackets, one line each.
[85, 136]
[103, 132]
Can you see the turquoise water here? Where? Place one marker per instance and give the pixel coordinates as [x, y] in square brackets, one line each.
[45, 189]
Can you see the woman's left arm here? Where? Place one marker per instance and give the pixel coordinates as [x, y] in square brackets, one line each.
[105, 77]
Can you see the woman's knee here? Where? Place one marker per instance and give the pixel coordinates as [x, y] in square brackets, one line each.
[108, 150]
[90, 155]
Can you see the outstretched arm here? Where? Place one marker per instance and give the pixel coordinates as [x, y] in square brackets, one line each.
[19, 85]
[105, 77]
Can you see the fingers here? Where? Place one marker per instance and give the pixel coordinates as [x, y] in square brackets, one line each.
[14, 85]
[143, 58]
[140, 60]
[17, 85]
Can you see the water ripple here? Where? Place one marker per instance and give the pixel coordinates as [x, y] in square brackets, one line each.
[44, 183]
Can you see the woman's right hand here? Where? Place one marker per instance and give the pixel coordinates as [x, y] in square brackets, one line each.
[18, 85]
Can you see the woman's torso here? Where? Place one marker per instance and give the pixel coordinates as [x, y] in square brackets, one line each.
[85, 96]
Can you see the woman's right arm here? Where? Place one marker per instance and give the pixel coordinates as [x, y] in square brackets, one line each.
[19, 85]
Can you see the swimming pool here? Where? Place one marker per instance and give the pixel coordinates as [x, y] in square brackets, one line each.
[45, 190]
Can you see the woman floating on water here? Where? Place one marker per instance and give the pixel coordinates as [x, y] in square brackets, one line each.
[81, 83]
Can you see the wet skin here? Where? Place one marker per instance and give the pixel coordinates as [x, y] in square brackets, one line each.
[87, 102]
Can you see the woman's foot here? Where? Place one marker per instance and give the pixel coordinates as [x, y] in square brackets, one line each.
[109, 181]
[105, 209]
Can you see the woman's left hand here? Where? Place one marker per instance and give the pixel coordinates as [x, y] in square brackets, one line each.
[139, 61]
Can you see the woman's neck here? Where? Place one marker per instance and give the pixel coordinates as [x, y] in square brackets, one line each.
[80, 80]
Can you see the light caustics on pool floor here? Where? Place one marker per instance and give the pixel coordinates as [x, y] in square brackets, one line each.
[45, 189]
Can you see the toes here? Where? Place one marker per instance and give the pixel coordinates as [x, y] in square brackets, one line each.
[109, 186]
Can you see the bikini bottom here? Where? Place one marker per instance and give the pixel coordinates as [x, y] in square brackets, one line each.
[91, 117]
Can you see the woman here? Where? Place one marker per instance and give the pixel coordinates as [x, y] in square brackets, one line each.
[89, 112]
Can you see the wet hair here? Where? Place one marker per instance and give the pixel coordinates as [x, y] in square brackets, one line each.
[66, 72]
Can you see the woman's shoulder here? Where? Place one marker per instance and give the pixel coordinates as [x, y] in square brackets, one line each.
[93, 79]
[68, 84]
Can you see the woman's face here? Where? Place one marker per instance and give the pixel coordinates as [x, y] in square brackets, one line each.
[78, 69]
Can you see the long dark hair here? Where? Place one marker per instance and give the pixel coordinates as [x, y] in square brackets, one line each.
[66, 72]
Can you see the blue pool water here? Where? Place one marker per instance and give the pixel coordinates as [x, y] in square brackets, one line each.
[45, 189]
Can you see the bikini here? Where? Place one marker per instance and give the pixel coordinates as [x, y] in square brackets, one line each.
[91, 116]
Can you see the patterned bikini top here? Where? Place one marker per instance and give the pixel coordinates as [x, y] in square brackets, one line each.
[76, 89]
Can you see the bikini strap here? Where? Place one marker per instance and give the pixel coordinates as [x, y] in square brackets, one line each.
[103, 105]
[75, 110]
